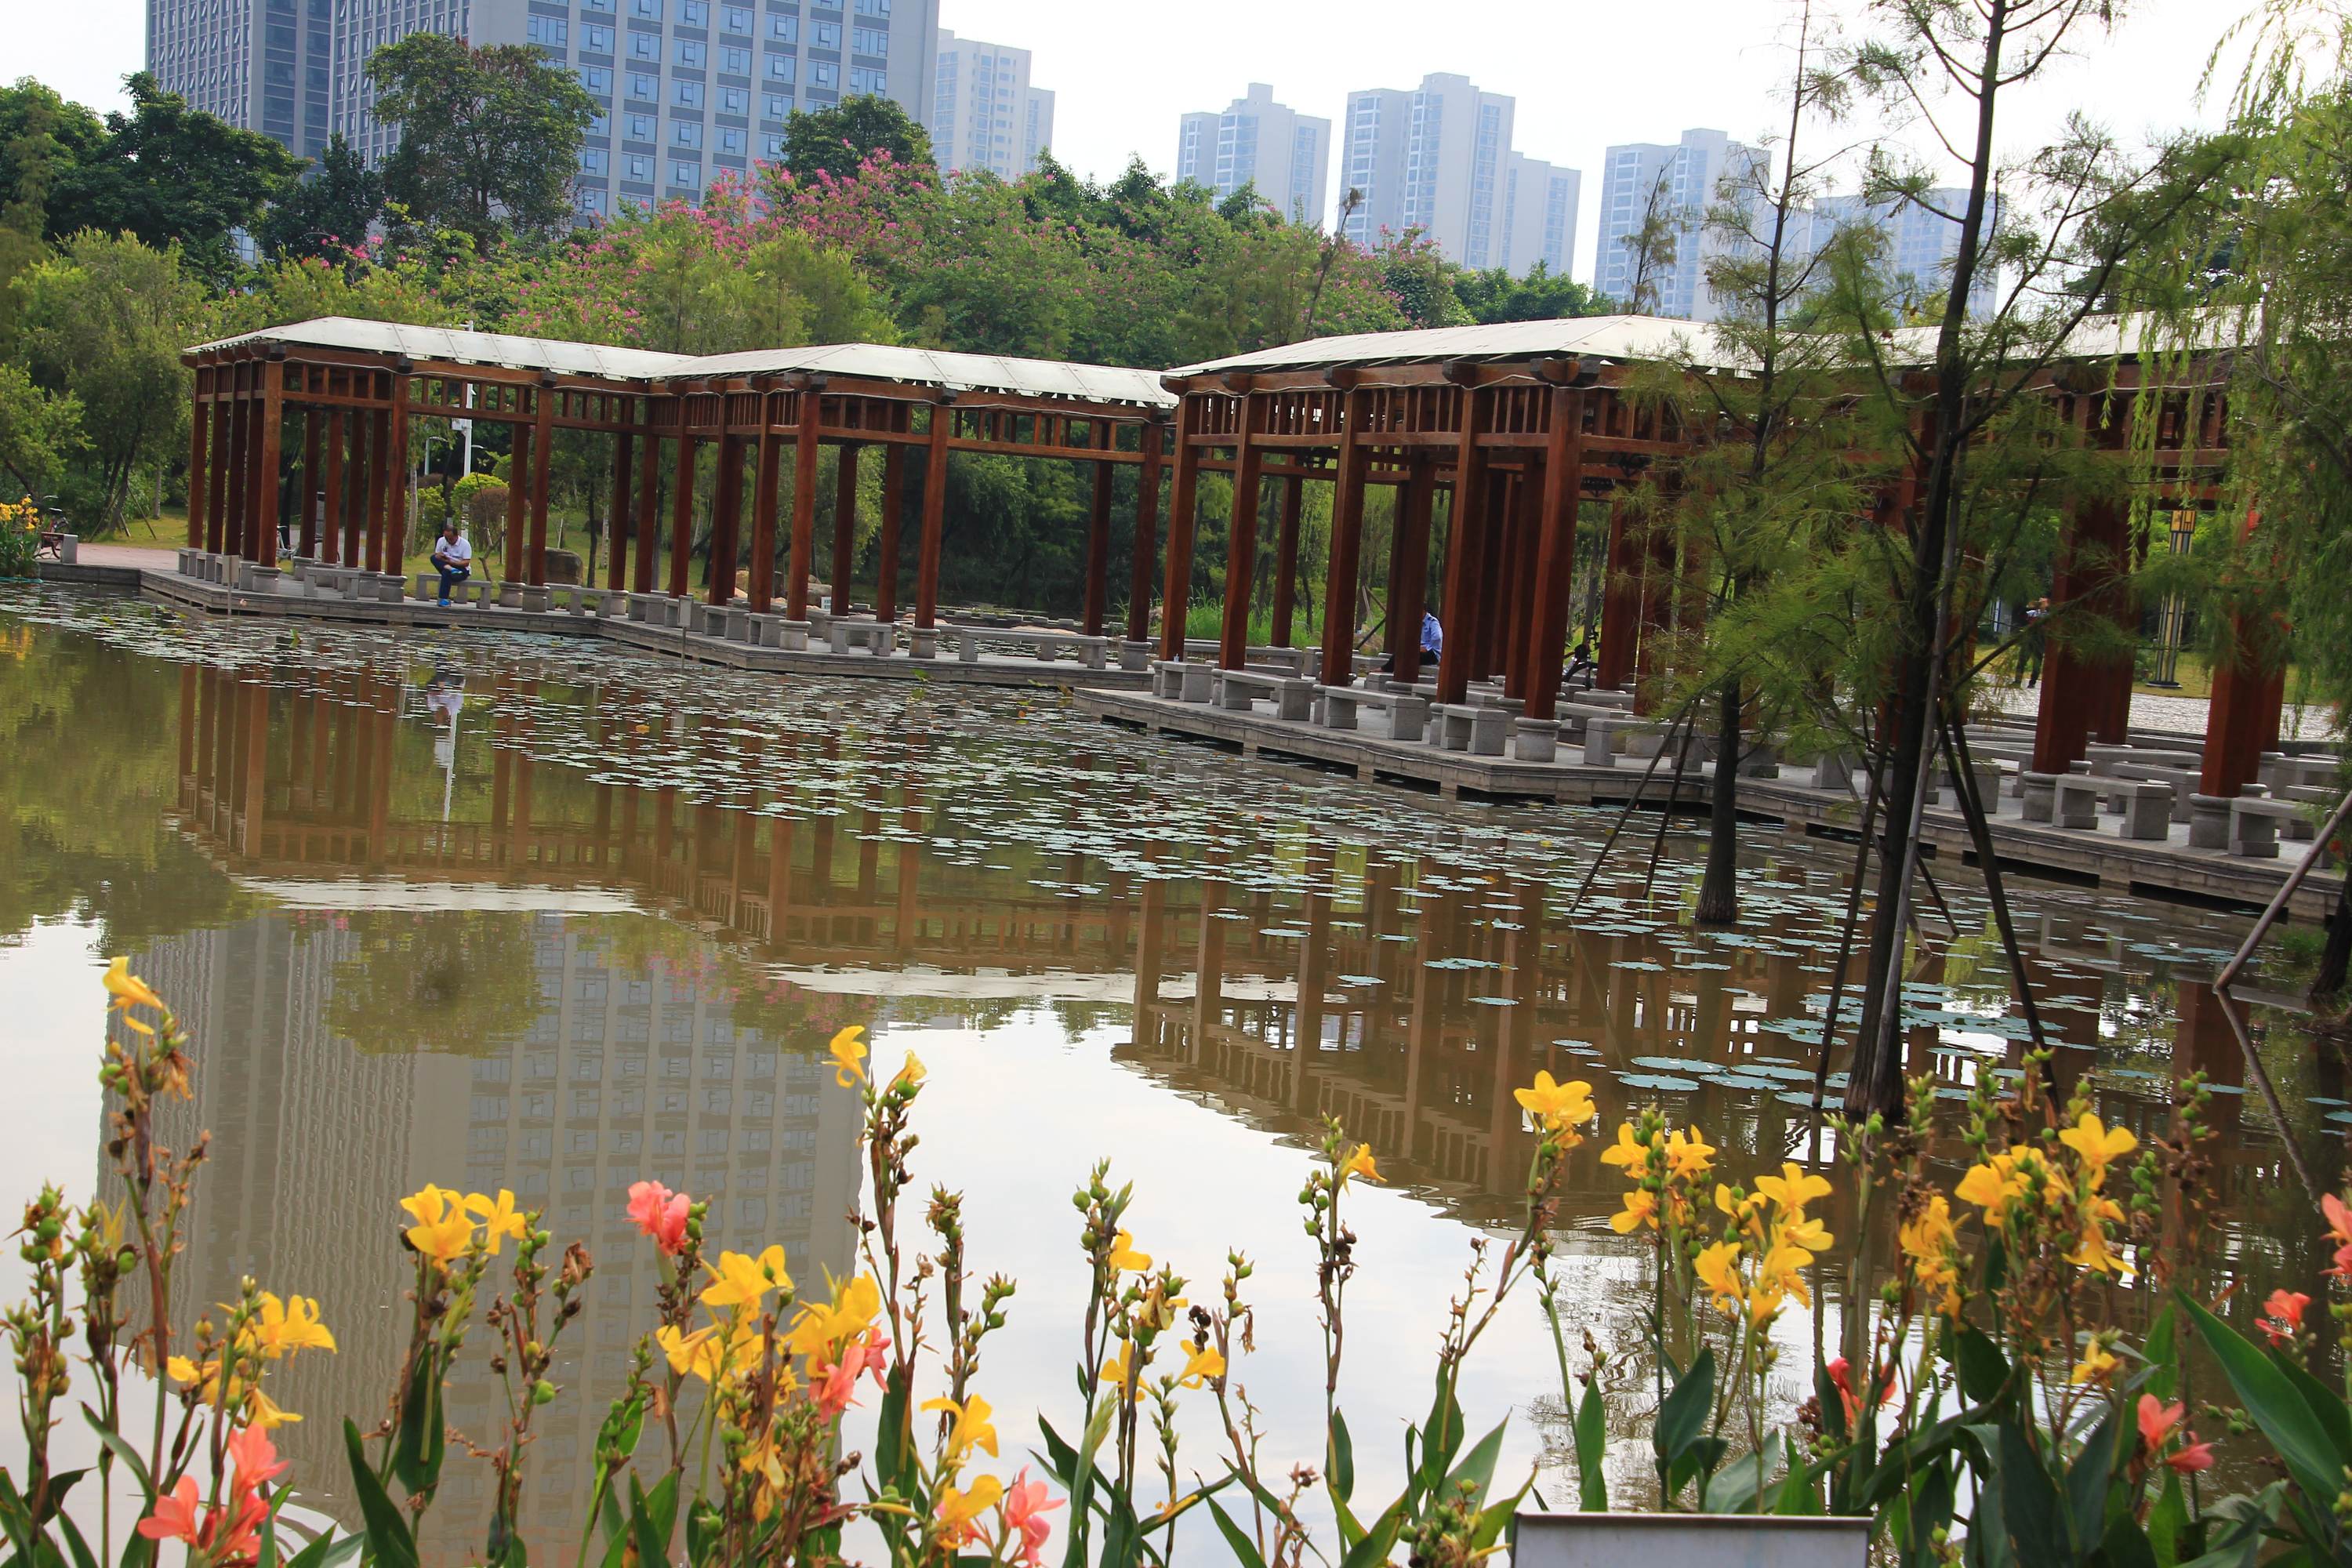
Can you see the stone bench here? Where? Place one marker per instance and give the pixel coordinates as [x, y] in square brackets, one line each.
[1281, 660]
[1834, 770]
[1472, 727]
[844, 633]
[2256, 822]
[2107, 759]
[2181, 781]
[1047, 646]
[2281, 770]
[1182, 681]
[2147, 804]
[317, 580]
[2302, 827]
[1535, 740]
[1407, 711]
[1238, 689]
[583, 599]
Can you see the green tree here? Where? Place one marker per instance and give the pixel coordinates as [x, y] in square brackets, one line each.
[1543, 295]
[171, 176]
[837, 140]
[327, 214]
[40, 431]
[489, 138]
[41, 137]
[104, 320]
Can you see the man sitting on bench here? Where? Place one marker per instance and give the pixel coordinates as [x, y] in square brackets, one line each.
[1432, 643]
[452, 557]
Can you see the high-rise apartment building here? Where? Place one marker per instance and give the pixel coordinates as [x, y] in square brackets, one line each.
[265, 65]
[685, 90]
[984, 114]
[1438, 160]
[1679, 182]
[1920, 243]
[1538, 216]
[1284, 156]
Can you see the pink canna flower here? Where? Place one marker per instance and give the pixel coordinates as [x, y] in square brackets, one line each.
[660, 1214]
[1026, 1506]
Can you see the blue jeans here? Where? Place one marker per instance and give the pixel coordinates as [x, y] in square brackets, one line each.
[452, 574]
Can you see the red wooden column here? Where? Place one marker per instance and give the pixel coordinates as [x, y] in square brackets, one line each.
[1098, 541]
[845, 523]
[1240, 541]
[216, 475]
[681, 509]
[894, 503]
[1285, 556]
[395, 463]
[199, 450]
[1621, 604]
[1466, 557]
[270, 454]
[1409, 563]
[2088, 582]
[334, 509]
[518, 530]
[379, 467]
[808, 411]
[616, 541]
[1146, 518]
[542, 454]
[240, 420]
[935, 513]
[647, 531]
[1339, 662]
[2241, 720]
[1499, 591]
[1555, 568]
[1527, 517]
[1176, 591]
[760, 592]
[307, 537]
[726, 521]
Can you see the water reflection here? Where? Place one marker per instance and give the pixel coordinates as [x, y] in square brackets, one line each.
[556, 920]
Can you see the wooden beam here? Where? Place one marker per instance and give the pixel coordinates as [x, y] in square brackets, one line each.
[543, 453]
[1241, 549]
[330, 523]
[935, 510]
[1346, 555]
[648, 524]
[1465, 559]
[726, 520]
[1176, 590]
[894, 504]
[307, 536]
[768, 478]
[380, 466]
[395, 516]
[515, 546]
[1555, 573]
[844, 524]
[199, 451]
[1099, 551]
[1408, 567]
[1285, 558]
[266, 465]
[681, 514]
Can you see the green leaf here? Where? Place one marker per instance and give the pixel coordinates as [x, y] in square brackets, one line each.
[2295, 1435]
[2088, 1481]
[1928, 1509]
[2028, 1501]
[1591, 1451]
[2162, 1347]
[1735, 1489]
[2125, 1545]
[2239, 1540]
[127, 1454]
[83, 1556]
[2325, 1403]
[327, 1550]
[1683, 1414]
[1478, 1466]
[389, 1541]
[1379, 1540]
[652, 1518]
[1833, 1407]
[703, 1531]
[894, 1435]
[1983, 1370]
[1343, 1457]
[2169, 1520]
[422, 1439]
[1243, 1549]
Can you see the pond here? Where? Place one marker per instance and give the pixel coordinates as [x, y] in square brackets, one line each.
[495, 911]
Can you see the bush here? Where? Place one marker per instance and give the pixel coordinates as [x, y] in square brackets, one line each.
[20, 537]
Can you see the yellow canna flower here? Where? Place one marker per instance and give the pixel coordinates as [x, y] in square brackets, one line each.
[427, 1204]
[1628, 1152]
[1202, 1365]
[1807, 1235]
[1125, 1258]
[266, 1412]
[1689, 1157]
[1991, 1186]
[2097, 1143]
[745, 1281]
[500, 1219]
[1782, 1272]
[290, 1325]
[1359, 1163]
[969, 1428]
[2096, 1366]
[2092, 1252]
[1557, 1107]
[1718, 1268]
[848, 1054]
[441, 1232]
[912, 1074]
[825, 1324]
[1115, 1373]
[1793, 1188]
[1641, 1208]
[707, 1352]
[958, 1509]
[127, 989]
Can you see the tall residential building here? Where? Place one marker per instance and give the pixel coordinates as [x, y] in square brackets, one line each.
[264, 65]
[1284, 156]
[1538, 216]
[1920, 243]
[685, 89]
[984, 112]
[1438, 160]
[1682, 181]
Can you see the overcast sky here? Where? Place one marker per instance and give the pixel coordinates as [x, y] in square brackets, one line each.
[1585, 72]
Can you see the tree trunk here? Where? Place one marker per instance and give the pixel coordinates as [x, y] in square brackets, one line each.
[2329, 984]
[1718, 893]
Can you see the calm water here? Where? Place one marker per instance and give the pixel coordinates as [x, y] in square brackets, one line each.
[524, 913]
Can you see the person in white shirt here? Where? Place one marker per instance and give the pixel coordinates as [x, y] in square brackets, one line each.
[452, 557]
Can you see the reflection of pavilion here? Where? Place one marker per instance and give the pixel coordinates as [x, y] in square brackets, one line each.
[624, 1072]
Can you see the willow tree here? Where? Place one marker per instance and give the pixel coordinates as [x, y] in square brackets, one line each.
[1774, 471]
[2073, 216]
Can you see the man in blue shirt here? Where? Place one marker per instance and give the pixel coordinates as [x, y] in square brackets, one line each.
[1433, 636]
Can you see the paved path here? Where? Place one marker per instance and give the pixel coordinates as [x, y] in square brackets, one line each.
[2182, 715]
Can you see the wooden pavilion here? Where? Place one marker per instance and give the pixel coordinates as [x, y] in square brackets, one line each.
[1519, 423]
[351, 392]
